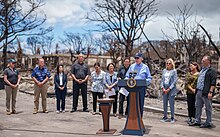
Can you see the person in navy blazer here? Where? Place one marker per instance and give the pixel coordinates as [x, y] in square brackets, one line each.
[60, 81]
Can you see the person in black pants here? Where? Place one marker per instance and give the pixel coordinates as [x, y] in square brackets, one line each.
[80, 74]
[97, 79]
[121, 75]
[60, 81]
[191, 82]
[204, 93]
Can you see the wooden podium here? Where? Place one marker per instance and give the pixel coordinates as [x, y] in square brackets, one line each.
[134, 124]
[105, 106]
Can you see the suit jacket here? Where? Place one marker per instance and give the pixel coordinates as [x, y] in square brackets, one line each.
[210, 80]
[57, 81]
[114, 80]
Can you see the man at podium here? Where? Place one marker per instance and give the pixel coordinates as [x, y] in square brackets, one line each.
[140, 71]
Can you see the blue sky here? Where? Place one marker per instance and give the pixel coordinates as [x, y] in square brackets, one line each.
[67, 15]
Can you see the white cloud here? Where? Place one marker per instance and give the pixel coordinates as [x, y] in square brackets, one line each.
[208, 11]
[68, 12]
[67, 15]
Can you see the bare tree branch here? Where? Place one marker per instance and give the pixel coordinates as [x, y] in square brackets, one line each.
[123, 18]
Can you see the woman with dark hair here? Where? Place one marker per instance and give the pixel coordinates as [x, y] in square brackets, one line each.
[111, 82]
[12, 78]
[60, 81]
[190, 86]
[121, 75]
[97, 79]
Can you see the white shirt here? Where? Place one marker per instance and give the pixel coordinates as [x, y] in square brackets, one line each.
[61, 78]
[167, 77]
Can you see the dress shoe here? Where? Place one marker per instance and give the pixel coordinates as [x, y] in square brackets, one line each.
[205, 125]
[85, 110]
[8, 113]
[45, 111]
[14, 112]
[35, 111]
[73, 110]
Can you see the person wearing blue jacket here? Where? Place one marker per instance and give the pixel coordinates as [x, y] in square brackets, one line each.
[168, 86]
[142, 72]
[60, 82]
[111, 83]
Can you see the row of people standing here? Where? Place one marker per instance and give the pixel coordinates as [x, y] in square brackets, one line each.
[12, 77]
[110, 81]
[200, 85]
[104, 82]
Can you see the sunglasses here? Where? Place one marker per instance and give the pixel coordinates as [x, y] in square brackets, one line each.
[168, 63]
[136, 57]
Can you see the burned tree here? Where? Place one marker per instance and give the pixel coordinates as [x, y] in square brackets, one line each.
[19, 54]
[46, 43]
[33, 44]
[15, 21]
[125, 19]
[189, 37]
[77, 43]
[112, 47]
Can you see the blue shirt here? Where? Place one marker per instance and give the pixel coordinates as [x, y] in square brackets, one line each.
[142, 71]
[40, 74]
[201, 79]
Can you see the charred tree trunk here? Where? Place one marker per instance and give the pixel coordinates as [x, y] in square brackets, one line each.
[4, 55]
[210, 39]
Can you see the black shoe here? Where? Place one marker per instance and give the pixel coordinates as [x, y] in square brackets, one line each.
[194, 124]
[73, 110]
[85, 110]
[205, 125]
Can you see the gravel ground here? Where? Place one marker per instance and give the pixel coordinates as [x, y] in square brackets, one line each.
[79, 123]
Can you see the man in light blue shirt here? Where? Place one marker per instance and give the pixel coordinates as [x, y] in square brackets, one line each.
[142, 72]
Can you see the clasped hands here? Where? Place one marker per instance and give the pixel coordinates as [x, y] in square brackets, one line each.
[80, 81]
[165, 90]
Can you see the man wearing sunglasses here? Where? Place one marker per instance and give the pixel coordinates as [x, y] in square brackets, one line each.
[141, 72]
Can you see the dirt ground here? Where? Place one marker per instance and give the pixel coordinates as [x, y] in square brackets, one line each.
[84, 124]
